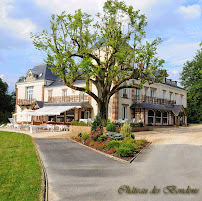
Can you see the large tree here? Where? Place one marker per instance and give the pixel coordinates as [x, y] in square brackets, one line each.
[191, 77]
[76, 42]
[7, 104]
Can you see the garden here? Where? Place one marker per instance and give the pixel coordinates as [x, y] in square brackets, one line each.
[122, 145]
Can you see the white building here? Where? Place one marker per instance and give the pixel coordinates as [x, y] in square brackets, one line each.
[44, 92]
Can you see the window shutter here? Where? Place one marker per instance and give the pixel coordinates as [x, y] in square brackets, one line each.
[121, 92]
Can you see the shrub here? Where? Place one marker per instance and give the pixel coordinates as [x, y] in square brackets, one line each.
[108, 121]
[128, 140]
[118, 124]
[141, 142]
[96, 123]
[111, 127]
[124, 151]
[133, 136]
[95, 134]
[85, 136]
[102, 138]
[77, 123]
[79, 135]
[149, 124]
[140, 124]
[99, 145]
[92, 143]
[115, 136]
[111, 150]
[113, 144]
[126, 130]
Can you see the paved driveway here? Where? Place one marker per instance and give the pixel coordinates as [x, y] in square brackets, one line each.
[76, 173]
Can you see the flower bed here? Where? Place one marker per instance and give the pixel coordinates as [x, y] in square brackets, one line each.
[125, 149]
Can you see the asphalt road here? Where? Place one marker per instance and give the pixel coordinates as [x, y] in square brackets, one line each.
[76, 173]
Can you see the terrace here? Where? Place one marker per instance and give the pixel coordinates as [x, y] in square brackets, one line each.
[71, 98]
[153, 100]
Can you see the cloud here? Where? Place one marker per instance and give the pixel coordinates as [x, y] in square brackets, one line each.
[2, 76]
[191, 11]
[19, 27]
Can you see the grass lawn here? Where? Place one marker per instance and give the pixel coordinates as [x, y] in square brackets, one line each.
[20, 169]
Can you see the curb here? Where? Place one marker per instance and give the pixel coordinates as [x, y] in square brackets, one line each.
[109, 156]
[45, 177]
[139, 153]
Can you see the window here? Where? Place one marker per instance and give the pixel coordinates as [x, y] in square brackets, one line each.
[85, 114]
[145, 91]
[164, 94]
[171, 96]
[151, 117]
[158, 117]
[124, 115]
[124, 92]
[64, 92]
[152, 92]
[137, 92]
[29, 92]
[165, 118]
[50, 93]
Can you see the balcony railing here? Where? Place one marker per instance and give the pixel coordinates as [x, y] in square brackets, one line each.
[71, 98]
[153, 100]
[25, 101]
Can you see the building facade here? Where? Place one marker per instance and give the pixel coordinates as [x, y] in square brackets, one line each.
[43, 92]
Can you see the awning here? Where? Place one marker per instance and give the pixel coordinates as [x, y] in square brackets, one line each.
[50, 110]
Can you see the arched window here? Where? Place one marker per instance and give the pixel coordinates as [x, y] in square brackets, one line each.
[151, 117]
[158, 117]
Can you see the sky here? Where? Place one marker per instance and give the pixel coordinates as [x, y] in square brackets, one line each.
[177, 22]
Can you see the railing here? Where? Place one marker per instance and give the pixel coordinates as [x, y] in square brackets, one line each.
[71, 98]
[153, 100]
[25, 101]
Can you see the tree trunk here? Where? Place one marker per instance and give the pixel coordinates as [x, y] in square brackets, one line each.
[103, 110]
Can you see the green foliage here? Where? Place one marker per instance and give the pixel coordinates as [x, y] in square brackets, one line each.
[85, 136]
[79, 135]
[136, 124]
[96, 123]
[95, 134]
[115, 136]
[77, 123]
[192, 81]
[126, 130]
[133, 136]
[114, 144]
[102, 138]
[141, 142]
[111, 127]
[108, 121]
[128, 140]
[7, 102]
[149, 124]
[124, 151]
[68, 46]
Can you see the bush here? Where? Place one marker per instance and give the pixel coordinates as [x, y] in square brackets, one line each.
[111, 127]
[133, 136]
[85, 136]
[102, 138]
[111, 150]
[124, 151]
[95, 134]
[115, 136]
[149, 124]
[141, 142]
[108, 121]
[79, 135]
[96, 123]
[113, 144]
[99, 145]
[136, 124]
[77, 123]
[128, 140]
[126, 130]
[118, 124]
